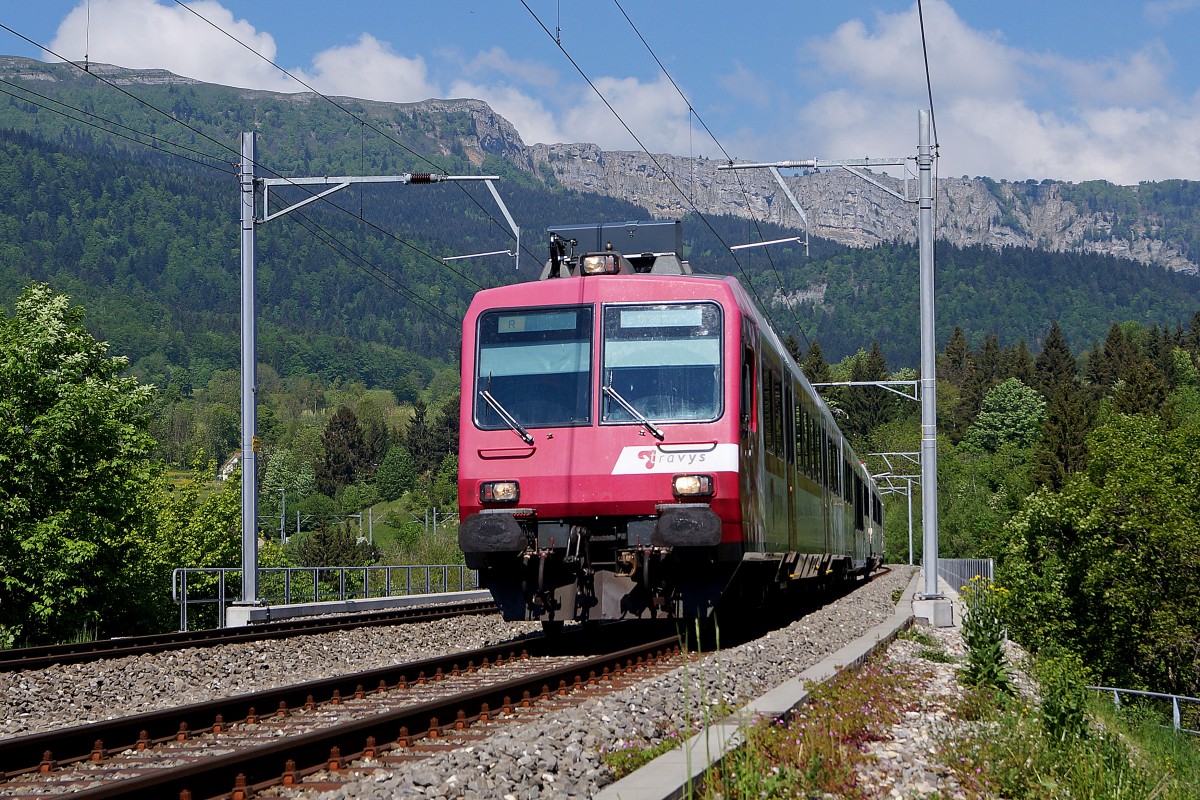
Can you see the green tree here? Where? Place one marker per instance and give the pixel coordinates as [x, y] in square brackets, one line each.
[74, 474]
[956, 363]
[1011, 413]
[418, 439]
[345, 452]
[1143, 390]
[330, 546]
[1104, 567]
[396, 475]
[287, 479]
[815, 367]
[444, 493]
[1055, 366]
[1062, 447]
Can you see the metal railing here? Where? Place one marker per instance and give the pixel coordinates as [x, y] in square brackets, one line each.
[958, 572]
[213, 589]
[1176, 716]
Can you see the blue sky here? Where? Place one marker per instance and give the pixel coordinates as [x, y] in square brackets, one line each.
[1066, 89]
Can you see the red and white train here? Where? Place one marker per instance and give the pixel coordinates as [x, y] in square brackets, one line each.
[636, 442]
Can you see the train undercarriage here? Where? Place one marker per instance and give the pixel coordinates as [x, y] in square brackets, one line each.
[597, 569]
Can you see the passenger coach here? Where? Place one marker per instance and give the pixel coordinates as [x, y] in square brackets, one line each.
[636, 442]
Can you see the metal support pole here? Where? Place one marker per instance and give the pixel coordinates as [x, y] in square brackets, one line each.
[929, 494]
[909, 493]
[249, 362]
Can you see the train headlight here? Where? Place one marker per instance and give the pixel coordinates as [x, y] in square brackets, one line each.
[600, 264]
[692, 485]
[499, 492]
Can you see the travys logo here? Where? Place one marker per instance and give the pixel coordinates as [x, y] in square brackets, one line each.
[711, 458]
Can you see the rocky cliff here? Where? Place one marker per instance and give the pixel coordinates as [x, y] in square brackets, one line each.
[1151, 223]
[847, 209]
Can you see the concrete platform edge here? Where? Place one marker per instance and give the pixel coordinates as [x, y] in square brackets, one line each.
[241, 616]
[671, 775]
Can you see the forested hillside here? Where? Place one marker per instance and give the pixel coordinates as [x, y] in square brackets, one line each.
[147, 241]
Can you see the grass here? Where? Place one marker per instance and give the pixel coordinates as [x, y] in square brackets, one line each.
[625, 757]
[1121, 755]
[1002, 749]
[819, 749]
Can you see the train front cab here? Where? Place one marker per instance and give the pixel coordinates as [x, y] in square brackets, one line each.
[599, 460]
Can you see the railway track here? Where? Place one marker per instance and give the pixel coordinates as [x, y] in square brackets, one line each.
[234, 747]
[40, 657]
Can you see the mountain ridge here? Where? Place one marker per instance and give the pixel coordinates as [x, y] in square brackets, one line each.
[1089, 217]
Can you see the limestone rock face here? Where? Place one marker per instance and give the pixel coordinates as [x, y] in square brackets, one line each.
[839, 205]
[847, 209]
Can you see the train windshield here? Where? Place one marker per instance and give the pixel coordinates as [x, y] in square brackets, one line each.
[664, 361]
[535, 365]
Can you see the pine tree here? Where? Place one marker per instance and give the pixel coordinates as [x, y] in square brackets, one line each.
[1018, 363]
[989, 364]
[345, 452]
[1062, 449]
[815, 367]
[956, 365]
[1055, 367]
[792, 344]
[1143, 390]
[419, 441]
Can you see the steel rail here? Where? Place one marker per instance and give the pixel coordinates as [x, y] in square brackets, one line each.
[40, 657]
[264, 765]
[24, 754]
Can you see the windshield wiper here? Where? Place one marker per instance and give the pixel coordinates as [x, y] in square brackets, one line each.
[508, 418]
[633, 412]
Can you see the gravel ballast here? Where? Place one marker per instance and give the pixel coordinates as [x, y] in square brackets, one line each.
[40, 700]
[558, 755]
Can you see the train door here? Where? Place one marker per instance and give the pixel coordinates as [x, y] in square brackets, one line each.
[789, 460]
[750, 459]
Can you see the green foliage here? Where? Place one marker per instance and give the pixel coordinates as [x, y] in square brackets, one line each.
[983, 633]
[1099, 568]
[816, 753]
[74, 475]
[329, 546]
[1011, 413]
[445, 485]
[347, 456]
[397, 474]
[1064, 698]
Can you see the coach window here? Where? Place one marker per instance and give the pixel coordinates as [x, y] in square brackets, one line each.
[536, 364]
[664, 361]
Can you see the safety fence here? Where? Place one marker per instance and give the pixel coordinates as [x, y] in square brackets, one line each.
[958, 572]
[204, 593]
[1179, 716]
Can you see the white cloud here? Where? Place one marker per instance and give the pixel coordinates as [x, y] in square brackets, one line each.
[370, 69]
[1161, 12]
[746, 86]
[1000, 111]
[497, 60]
[527, 114]
[1139, 79]
[654, 111]
[142, 34]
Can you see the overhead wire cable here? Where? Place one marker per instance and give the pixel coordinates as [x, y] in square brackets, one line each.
[932, 115]
[666, 173]
[156, 143]
[365, 265]
[361, 120]
[741, 186]
[226, 147]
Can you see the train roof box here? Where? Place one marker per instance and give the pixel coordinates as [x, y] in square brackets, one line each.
[650, 246]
